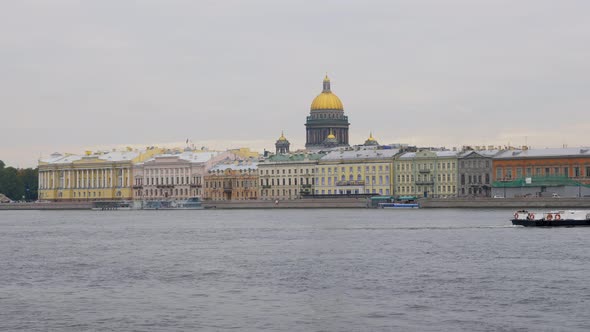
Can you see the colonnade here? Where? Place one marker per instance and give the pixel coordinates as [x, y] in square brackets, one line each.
[84, 178]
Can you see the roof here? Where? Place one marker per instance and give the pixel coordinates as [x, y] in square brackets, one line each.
[191, 156]
[483, 153]
[544, 153]
[234, 166]
[360, 154]
[439, 154]
[57, 158]
[294, 157]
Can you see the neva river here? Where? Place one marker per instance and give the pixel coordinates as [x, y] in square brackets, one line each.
[290, 270]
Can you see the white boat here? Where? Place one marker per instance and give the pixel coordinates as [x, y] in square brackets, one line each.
[193, 203]
[554, 218]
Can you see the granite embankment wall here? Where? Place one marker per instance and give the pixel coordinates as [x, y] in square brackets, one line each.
[338, 203]
[47, 206]
[325, 203]
[516, 203]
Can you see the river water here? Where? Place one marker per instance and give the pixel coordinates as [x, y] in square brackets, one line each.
[290, 270]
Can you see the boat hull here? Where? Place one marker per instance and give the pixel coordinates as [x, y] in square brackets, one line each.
[550, 223]
[399, 205]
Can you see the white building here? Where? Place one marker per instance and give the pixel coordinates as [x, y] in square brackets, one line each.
[175, 175]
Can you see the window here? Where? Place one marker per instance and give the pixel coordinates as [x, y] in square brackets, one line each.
[566, 171]
[547, 171]
[509, 173]
[499, 173]
[576, 171]
[518, 173]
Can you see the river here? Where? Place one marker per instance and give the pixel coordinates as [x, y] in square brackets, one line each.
[290, 270]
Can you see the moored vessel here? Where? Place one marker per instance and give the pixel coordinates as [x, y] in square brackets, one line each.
[555, 218]
[401, 202]
[193, 203]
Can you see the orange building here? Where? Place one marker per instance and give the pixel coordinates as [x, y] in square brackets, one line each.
[232, 181]
[517, 164]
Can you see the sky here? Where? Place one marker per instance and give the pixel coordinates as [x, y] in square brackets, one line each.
[79, 75]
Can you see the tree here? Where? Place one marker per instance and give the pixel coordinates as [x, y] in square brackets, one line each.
[18, 183]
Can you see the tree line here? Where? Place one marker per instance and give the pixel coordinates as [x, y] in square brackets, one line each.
[19, 183]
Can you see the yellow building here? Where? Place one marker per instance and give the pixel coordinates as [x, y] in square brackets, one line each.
[287, 176]
[90, 177]
[358, 170]
[244, 153]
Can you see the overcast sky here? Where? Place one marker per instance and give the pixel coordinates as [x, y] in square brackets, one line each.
[76, 75]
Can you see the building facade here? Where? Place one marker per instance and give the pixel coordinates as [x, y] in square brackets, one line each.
[572, 163]
[326, 118]
[228, 181]
[358, 170]
[285, 177]
[175, 174]
[426, 174]
[475, 173]
[564, 172]
[90, 177]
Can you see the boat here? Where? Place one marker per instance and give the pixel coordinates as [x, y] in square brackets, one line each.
[555, 218]
[193, 203]
[401, 202]
[112, 205]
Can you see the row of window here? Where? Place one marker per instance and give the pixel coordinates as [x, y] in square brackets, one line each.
[288, 171]
[516, 172]
[475, 163]
[405, 178]
[286, 182]
[166, 171]
[409, 166]
[475, 179]
[368, 179]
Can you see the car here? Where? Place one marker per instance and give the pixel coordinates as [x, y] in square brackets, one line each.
[555, 195]
[498, 196]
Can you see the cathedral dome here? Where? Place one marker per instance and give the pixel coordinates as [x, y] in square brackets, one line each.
[326, 100]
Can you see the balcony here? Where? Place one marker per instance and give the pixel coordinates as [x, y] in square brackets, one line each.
[424, 171]
[266, 186]
[306, 186]
[351, 183]
[165, 186]
[138, 186]
[227, 189]
[196, 186]
[425, 183]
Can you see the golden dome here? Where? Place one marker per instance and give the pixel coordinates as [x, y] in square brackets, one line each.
[282, 138]
[331, 136]
[370, 137]
[326, 100]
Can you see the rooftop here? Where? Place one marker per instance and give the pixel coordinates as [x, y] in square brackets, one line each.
[544, 153]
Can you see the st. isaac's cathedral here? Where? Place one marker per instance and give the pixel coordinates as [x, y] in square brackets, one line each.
[326, 126]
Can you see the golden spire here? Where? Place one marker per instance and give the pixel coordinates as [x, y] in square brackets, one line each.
[371, 136]
[326, 78]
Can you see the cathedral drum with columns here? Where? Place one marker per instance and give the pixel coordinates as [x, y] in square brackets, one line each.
[326, 120]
